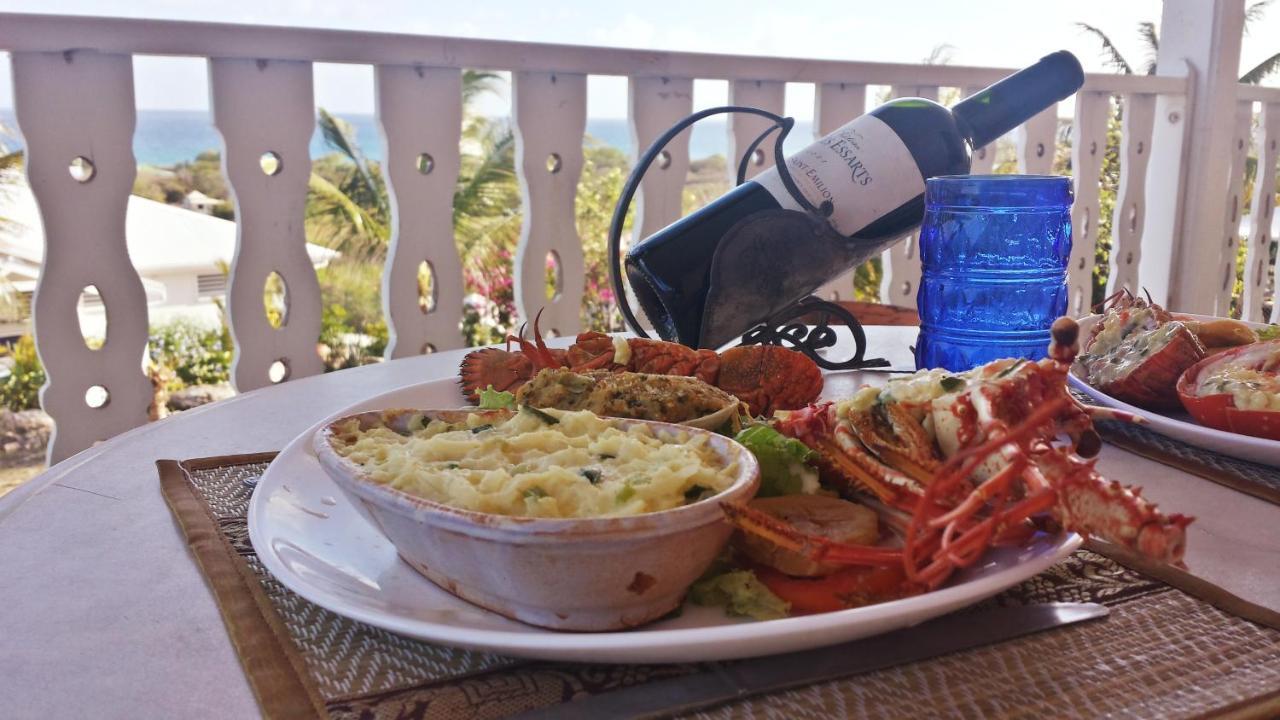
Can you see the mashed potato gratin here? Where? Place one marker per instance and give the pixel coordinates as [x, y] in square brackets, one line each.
[539, 463]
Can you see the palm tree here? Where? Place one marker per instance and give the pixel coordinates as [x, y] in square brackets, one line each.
[352, 215]
[1151, 40]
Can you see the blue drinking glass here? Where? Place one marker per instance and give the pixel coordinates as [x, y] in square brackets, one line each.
[994, 251]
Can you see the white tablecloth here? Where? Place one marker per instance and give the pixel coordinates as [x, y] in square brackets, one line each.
[104, 614]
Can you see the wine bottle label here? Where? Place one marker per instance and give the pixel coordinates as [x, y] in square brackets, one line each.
[863, 169]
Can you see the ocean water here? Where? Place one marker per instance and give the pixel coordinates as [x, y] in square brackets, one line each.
[166, 137]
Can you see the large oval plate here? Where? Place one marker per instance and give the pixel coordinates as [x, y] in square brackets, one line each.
[329, 552]
[1179, 425]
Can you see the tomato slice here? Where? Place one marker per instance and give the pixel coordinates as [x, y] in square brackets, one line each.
[1219, 411]
[843, 589]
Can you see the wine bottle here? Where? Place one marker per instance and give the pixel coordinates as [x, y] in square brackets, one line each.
[871, 171]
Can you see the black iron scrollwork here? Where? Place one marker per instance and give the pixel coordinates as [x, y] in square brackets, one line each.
[782, 124]
[778, 330]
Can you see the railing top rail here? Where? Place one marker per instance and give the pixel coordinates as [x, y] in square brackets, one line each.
[21, 32]
[1258, 93]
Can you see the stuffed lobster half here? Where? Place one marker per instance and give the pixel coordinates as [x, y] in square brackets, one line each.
[765, 377]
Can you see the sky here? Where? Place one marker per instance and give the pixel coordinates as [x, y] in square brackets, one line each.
[999, 33]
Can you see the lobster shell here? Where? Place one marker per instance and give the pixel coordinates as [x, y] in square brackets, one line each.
[1219, 410]
[1152, 383]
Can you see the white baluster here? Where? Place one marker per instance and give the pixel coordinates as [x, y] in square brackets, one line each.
[1088, 147]
[984, 158]
[550, 113]
[265, 113]
[745, 128]
[420, 111]
[78, 106]
[1130, 209]
[1036, 140]
[1163, 220]
[657, 103]
[902, 259]
[835, 104]
[1257, 265]
[654, 105]
[1235, 207]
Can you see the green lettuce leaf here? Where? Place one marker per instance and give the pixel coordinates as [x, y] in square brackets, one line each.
[783, 461]
[491, 399]
[740, 593]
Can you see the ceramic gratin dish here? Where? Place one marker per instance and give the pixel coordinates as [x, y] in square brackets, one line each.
[585, 574]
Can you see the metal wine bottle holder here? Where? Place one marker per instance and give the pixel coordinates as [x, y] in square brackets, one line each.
[771, 308]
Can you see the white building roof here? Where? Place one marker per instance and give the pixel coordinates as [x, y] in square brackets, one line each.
[162, 239]
[195, 196]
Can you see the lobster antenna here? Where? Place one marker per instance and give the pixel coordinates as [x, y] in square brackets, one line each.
[1108, 299]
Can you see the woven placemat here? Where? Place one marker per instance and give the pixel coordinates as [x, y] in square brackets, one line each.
[1162, 653]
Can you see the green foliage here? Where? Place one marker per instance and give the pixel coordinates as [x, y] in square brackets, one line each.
[1109, 185]
[604, 171]
[351, 324]
[347, 205]
[21, 390]
[198, 355]
[204, 173]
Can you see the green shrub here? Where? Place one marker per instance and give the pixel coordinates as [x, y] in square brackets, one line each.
[197, 355]
[21, 390]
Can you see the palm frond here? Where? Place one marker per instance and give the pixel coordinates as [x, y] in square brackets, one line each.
[1147, 31]
[341, 136]
[351, 230]
[1254, 12]
[491, 180]
[10, 161]
[1262, 70]
[940, 55]
[476, 83]
[1110, 53]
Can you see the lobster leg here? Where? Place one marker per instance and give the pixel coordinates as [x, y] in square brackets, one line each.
[818, 549]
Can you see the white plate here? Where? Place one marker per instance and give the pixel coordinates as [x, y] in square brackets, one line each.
[326, 550]
[1179, 425]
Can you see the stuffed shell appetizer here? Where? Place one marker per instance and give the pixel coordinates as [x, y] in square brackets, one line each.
[1136, 352]
[1237, 390]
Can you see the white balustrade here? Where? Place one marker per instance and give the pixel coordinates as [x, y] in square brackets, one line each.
[655, 104]
[79, 104]
[550, 114]
[1036, 140]
[1088, 149]
[1235, 206]
[265, 112]
[1129, 212]
[1258, 268]
[420, 111]
[77, 116]
[744, 129]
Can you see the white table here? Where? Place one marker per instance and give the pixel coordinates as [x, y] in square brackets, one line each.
[104, 614]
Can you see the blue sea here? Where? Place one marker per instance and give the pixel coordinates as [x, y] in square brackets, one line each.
[166, 137]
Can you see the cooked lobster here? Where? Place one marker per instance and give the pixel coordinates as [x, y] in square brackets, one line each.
[1137, 350]
[971, 461]
[765, 377]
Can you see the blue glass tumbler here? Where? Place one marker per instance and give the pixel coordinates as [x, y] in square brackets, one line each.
[994, 251]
